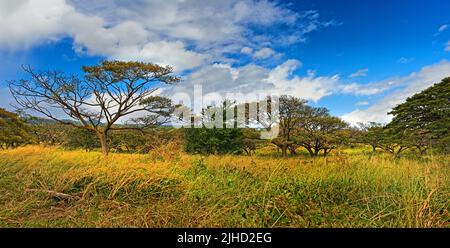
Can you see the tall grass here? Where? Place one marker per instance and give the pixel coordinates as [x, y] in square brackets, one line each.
[171, 189]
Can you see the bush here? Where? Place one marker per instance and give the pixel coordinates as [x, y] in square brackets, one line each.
[77, 138]
[214, 141]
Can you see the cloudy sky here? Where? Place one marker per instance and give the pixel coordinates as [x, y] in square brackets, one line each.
[357, 58]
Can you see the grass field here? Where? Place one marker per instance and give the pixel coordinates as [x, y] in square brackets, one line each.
[50, 187]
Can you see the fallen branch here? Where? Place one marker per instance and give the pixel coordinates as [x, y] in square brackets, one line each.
[55, 195]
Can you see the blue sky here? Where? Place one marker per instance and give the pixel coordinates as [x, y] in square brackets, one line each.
[357, 58]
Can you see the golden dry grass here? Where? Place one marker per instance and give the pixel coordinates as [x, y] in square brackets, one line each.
[169, 188]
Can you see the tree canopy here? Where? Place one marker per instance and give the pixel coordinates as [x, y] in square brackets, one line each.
[426, 114]
[13, 130]
[106, 93]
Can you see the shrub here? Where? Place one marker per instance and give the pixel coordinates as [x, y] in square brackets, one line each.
[214, 141]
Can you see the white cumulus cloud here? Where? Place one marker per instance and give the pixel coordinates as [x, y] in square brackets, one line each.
[24, 22]
[264, 53]
[412, 84]
[223, 79]
[186, 34]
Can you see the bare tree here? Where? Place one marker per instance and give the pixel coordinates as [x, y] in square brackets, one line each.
[106, 93]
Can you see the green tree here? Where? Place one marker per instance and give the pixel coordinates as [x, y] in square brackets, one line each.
[214, 137]
[214, 140]
[127, 140]
[372, 134]
[13, 130]
[291, 113]
[419, 140]
[427, 114]
[107, 92]
[314, 129]
[50, 133]
[318, 131]
[252, 141]
[393, 141]
[77, 138]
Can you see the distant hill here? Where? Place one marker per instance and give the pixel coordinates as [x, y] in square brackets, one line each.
[33, 120]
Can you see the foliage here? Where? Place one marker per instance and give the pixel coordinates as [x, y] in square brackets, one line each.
[292, 111]
[144, 141]
[13, 131]
[252, 140]
[309, 127]
[50, 133]
[76, 138]
[371, 134]
[126, 140]
[218, 132]
[427, 114]
[214, 140]
[421, 123]
[318, 131]
[108, 92]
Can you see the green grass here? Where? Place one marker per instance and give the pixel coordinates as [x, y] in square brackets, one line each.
[173, 189]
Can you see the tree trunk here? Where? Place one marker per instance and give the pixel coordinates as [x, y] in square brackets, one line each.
[103, 142]
[247, 151]
[284, 150]
[292, 150]
[311, 153]
[316, 152]
[401, 149]
[422, 149]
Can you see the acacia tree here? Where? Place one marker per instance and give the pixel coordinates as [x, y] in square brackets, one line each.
[106, 93]
[319, 131]
[419, 139]
[314, 129]
[292, 111]
[393, 141]
[372, 134]
[426, 114]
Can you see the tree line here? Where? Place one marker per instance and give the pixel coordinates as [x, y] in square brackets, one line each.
[114, 89]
